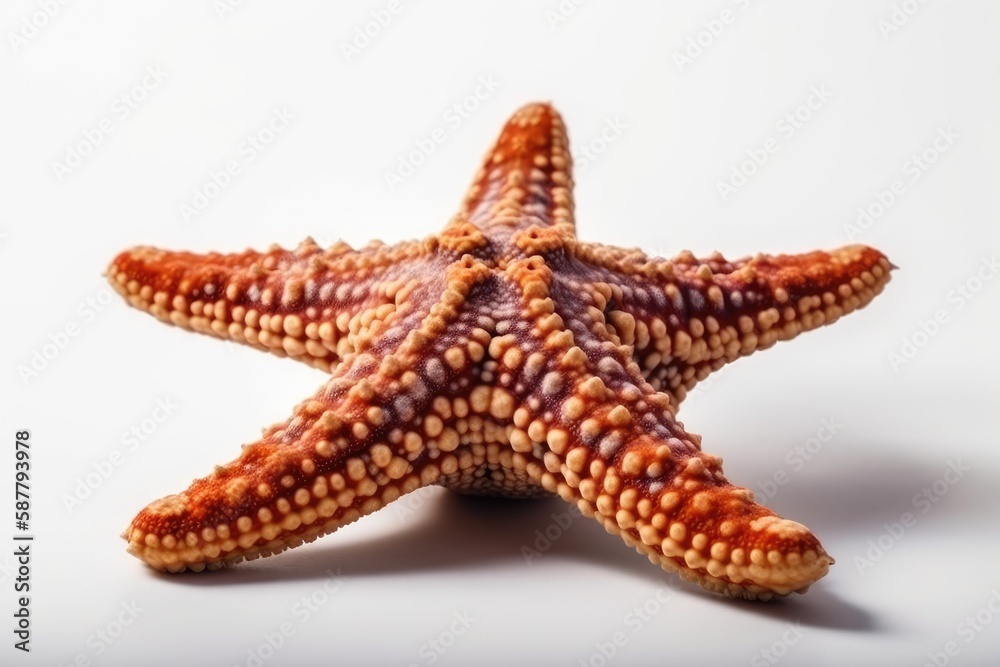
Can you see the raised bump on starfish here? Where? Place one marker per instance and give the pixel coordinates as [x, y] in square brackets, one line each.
[499, 357]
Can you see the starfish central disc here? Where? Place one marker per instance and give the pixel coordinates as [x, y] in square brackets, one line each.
[502, 356]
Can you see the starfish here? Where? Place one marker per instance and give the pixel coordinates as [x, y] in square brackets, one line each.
[500, 357]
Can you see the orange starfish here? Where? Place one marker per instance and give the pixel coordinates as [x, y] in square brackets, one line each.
[501, 357]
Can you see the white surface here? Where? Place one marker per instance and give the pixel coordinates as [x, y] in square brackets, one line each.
[655, 186]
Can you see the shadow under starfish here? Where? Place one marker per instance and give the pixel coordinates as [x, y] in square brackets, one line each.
[456, 532]
[502, 356]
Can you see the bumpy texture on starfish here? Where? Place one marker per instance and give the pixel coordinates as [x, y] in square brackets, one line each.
[502, 357]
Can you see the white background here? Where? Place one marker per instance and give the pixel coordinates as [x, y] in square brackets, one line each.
[684, 128]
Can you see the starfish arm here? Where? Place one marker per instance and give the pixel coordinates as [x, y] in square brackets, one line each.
[525, 179]
[607, 441]
[688, 317]
[311, 304]
[321, 469]
[381, 427]
[623, 460]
